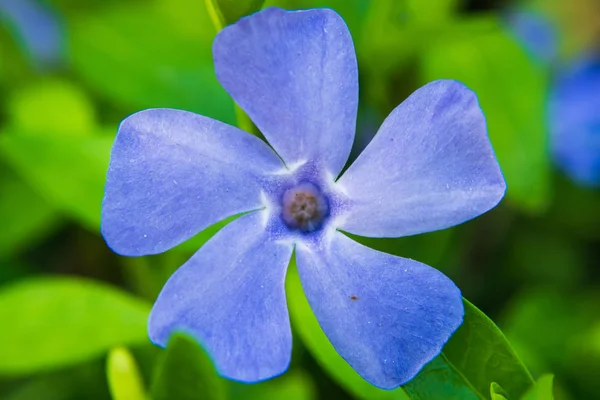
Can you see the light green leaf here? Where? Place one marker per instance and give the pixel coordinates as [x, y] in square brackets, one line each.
[497, 393]
[186, 373]
[306, 325]
[512, 92]
[542, 389]
[124, 378]
[60, 321]
[68, 172]
[481, 353]
[25, 216]
[52, 107]
[229, 11]
[133, 55]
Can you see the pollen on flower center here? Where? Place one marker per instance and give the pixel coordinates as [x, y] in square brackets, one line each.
[304, 207]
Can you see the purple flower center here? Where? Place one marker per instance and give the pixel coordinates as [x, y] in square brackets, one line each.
[304, 207]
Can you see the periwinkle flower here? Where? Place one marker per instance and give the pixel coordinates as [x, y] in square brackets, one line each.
[574, 112]
[535, 32]
[37, 26]
[173, 173]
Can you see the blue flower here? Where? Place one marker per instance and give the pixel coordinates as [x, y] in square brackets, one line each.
[173, 173]
[37, 26]
[536, 33]
[574, 112]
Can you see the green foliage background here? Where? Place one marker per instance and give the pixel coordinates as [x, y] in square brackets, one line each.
[73, 314]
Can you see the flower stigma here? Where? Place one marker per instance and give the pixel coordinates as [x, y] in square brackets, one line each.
[304, 207]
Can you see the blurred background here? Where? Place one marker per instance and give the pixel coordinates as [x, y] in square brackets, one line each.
[71, 70]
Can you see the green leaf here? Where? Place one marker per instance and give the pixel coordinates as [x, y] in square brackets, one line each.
[306, 325]
[542, 389]
[52, 107]
[186, 373]
[480, 352]
[138, 58]
[229, 11]
[25, 216]
[497, 393]
[512, 91]
[476, 355]
[290, 386]
[440, 380]
[68, 172]
[54, 322]
[124, 378]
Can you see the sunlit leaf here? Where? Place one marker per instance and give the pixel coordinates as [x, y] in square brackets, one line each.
[542, 389]
[186, 373]
[52, 107]
[68, 172]
[52, 322]
[135, 57]
[512, 91]
[124, 379]
[497, 393]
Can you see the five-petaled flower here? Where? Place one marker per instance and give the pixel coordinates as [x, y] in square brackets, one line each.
[173, 173]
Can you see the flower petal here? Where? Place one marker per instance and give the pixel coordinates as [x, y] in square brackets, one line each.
[230, 297]
[430, 166]
[173, 173]
[295, 74]
[575, 121]
[387, 316]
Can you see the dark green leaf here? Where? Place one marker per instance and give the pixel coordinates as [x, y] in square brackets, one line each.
[289, 386]
[229, 11]
[440, 380]
[186, 373]
[512, 91]
[481, 353]
[59, 321]
[25, 216]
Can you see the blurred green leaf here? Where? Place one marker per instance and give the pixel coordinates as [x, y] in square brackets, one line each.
[290, 386]
[69, 172]
[133, 55]
[512, 93]
[551, 324]
[306, 325]
[25, 216]
[60, 321]
[481, 353]
[497, 393]
[186, 373]
[124, 378]
[542, 389]
[52, 107]
[229, 11]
